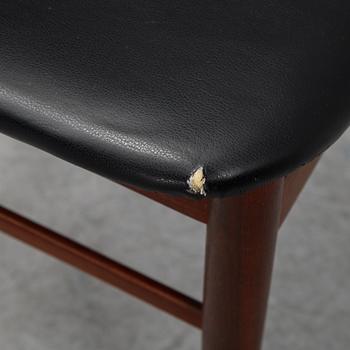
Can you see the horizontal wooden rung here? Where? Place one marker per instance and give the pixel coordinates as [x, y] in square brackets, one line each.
[101, 267]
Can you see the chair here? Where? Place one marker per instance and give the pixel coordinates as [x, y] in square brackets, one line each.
[217, 109]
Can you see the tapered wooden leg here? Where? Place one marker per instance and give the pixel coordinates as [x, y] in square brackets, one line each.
[241, 238]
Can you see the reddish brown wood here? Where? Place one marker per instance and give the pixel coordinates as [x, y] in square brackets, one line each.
[194, 208]
[239, 258]
[294, 184]
[235, 218]
[199, 209]
[99, 266]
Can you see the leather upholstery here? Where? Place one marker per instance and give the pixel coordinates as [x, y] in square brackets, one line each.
[145, 92]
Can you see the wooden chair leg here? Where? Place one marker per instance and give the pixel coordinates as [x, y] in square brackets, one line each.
[241, 236]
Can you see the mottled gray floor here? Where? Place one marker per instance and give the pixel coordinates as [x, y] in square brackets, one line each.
[45, 305]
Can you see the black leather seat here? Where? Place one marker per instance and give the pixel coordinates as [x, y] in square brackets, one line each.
[146, 92]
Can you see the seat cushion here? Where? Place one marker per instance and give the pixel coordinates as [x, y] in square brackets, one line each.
[188, 97]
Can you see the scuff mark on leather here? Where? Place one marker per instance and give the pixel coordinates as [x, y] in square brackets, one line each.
[196, 182]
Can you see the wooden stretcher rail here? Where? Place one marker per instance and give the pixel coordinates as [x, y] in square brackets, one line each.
[101, 267]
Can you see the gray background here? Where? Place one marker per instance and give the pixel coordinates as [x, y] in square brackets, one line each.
[45, 305]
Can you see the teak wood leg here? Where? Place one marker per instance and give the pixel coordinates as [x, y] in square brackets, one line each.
[241, 236]
[240, 247]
